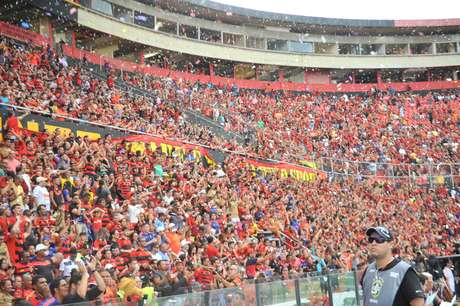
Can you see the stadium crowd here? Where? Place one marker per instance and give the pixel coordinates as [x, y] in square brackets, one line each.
[385, 127]
[43, 80]
[69, 198]
[77, 212]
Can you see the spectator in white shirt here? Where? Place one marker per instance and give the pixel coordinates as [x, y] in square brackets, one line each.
[133, 212]
[41, 194]
[67, 265]
[449, 276]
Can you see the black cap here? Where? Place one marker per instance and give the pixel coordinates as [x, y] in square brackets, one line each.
[381, 231]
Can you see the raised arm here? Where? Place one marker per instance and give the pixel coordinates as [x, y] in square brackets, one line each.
[83, 286]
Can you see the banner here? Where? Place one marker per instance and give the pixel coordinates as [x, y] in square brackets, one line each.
[168, 147]
[21, 34]
[285, 170]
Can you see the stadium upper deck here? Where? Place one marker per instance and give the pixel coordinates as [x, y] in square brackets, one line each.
[209, 38]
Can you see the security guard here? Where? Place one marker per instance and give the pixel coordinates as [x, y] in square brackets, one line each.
[388, 280]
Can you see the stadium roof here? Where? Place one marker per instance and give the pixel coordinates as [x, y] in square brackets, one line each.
[249, 16]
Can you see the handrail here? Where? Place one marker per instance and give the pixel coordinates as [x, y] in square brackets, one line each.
[377, 164]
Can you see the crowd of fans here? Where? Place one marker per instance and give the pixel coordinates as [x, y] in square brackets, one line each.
[84, 220]
[42, 80]
[188, 227]
[381, 126]
[384, 127]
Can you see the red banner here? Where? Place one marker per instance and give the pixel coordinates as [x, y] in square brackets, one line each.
[21, 34]
[256, 84]
[167, 146]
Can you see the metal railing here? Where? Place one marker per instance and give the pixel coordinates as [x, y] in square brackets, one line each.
[421, 174]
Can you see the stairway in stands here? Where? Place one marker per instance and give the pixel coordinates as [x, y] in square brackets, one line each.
[191, 116]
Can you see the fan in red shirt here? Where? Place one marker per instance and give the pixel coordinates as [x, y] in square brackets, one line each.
[211, 250]
[204, 275]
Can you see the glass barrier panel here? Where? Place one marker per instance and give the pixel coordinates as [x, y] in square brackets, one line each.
[144, 20]
[230, 296]
[188, 31]
[352, 167]
[383, 170]
[122, 13]
[233, 39]
[255, 42]
[99, 5]
[114, 303]
[367, 169]
[166, 26]
[343, 289]
[422, 174]
[339, 166]
[456, 174]
[313, 290]
[196, 298]
[210, 35]
[401, 170]
[442, 175]
[281, 292]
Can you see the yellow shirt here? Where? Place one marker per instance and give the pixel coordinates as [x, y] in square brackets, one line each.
[6, 299]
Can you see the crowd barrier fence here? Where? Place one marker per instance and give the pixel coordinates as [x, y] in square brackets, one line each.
[331, 289]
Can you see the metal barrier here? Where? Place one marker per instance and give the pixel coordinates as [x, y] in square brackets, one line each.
[430, 175]
[334, 289]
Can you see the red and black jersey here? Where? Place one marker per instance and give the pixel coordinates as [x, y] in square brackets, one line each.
[125, 189]
[142, 256]
[43, 267]
[22, 268]
[89, 169]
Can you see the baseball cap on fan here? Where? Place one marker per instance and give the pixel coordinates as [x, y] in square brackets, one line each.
[381, 231]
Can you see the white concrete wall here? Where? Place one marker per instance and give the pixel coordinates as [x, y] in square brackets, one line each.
[145, 36]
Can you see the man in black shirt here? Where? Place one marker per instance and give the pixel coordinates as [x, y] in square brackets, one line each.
[388, 280]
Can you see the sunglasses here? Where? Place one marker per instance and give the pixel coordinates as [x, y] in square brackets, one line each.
[379, 240]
